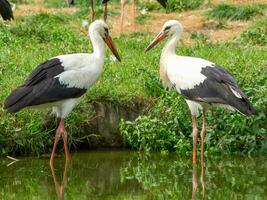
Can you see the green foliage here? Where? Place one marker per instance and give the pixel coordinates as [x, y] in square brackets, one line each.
[199, 36]
[178, 5]
[150, 5]
[256, 34]
[166, 126]
[140, 19]
[233, 12]
[21, 1]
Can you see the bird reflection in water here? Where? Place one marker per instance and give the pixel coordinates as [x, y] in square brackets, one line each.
[202, 179]
[60, 186]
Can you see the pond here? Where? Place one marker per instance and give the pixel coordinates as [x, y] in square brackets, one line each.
[131, 175]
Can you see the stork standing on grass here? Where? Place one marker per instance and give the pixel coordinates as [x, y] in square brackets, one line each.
[60, 82]
[202, 83]
[6, 10]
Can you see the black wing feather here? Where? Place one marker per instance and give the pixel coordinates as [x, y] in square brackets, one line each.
[41, 87]
[48, 91]
[5, 10]
[47, 69]
[218, 88]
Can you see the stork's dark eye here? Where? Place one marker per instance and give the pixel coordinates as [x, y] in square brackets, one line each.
[106, 30]
[167, 28]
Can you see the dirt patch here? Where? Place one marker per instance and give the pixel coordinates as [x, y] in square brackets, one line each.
[191, 20]
[33, 9]
[238, 2]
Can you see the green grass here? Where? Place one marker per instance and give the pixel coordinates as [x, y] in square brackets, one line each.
[234, 12]
[33, 39]
[256, 34]
[178, 5]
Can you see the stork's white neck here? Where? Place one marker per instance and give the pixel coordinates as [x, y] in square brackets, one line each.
[169, 47]
[168, 50]
[98, 46]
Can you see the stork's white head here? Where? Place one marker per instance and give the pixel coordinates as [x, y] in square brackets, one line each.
[171, 28]
[100, 28]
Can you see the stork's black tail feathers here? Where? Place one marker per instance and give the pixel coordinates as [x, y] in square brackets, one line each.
[18, 99]
[163, 3]
[5, 10]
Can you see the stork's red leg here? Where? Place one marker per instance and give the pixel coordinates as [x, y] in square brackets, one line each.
[133, 17]
[195, 132]
[194, 181]
[65, 141]
[203, 182]
[57, 136]
[61, 131]
[203, 133]
[92, 11]
[122, 15]
[105, 11]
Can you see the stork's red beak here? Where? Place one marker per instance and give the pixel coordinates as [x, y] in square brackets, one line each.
[157, 39]
[112, 47]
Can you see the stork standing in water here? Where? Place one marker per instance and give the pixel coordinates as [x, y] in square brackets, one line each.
[60, 82]
[202, 83]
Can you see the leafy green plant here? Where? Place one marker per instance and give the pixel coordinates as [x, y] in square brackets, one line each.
[199, 36]
[150, 5]
[140, 19]
[233, 12]
[175, 5]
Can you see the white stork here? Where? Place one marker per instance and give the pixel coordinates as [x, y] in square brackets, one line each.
[59, 82]
[202, 83]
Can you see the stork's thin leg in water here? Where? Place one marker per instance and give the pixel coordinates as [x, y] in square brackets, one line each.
[195, 132]
[92, 11]
[122, 15]
[203, 133]
[133, 16]
[105, 11]
[60, 131]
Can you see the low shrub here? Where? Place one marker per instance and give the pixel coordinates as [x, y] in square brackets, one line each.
[175, 5]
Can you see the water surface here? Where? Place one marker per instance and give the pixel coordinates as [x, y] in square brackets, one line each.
[133, 175]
